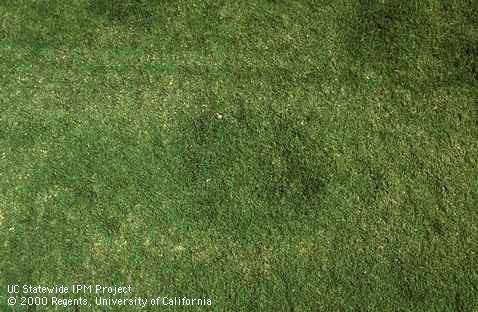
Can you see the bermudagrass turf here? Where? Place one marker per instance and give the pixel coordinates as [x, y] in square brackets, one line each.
[268, 155]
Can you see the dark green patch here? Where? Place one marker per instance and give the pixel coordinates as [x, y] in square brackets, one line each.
[397, 36]
[135, 12]
[388, 32]
[292, 165]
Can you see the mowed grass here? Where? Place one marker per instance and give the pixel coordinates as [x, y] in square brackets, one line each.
[269, 155]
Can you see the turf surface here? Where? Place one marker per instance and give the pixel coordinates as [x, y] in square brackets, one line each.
[268, 155]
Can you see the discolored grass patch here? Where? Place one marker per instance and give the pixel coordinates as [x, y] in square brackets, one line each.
[399, 35]
[133, 12]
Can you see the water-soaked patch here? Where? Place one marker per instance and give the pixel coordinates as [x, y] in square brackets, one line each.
[133, 12]
[380, 29]
[210, 145]
[399, 35]
[235, 161]
[42, 25]
[463, 58]
[292, 165]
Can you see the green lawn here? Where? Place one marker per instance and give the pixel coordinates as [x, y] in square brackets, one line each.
[269, 155]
